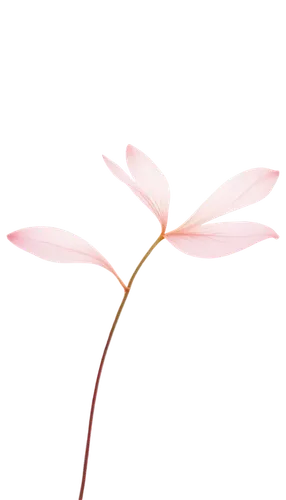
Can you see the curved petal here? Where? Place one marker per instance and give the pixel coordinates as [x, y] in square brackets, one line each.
[57, 245]
[219, 239]
[151, 181]
[119, 173]
[240, 191]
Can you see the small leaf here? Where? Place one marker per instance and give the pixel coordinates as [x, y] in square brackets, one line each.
[57, 245]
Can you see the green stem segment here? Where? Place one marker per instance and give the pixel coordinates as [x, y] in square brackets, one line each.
[127, 290]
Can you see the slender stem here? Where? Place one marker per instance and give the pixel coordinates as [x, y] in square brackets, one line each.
[95, 395]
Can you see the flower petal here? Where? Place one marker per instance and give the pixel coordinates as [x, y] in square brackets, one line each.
[151, 181]
[123, 177]
[57, 245]
[119, 172]
[240, 191]
[219, 239]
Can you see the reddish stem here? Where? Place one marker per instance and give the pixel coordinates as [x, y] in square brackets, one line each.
[95, 394]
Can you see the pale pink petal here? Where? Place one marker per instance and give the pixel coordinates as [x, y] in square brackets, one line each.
[240, 191]
[123, 177]
[220, 239]
[119, 172]
[56, 245]
[151, 181]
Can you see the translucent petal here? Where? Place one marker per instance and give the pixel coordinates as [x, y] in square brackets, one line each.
[57, 245]
[114, 168]
[243, 190]
[154, 184]
[215, 240]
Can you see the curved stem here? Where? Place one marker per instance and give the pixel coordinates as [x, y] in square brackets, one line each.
[95, 395]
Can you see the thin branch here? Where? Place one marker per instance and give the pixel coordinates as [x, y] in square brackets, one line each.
[101, 365]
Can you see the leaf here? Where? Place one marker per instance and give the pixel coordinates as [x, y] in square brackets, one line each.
[219, 239]
[57, 245]
[148, 182]
[242, 190]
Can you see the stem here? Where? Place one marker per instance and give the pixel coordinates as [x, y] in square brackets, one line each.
[95, 394]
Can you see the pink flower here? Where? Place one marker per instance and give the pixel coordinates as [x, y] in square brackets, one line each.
[59, 246]
[195, 237]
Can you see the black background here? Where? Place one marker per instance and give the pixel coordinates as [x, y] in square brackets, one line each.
[195, 389]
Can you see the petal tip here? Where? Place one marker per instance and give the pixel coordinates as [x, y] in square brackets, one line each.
[130, 150]
[11, 236]
[104, 157]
